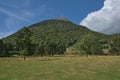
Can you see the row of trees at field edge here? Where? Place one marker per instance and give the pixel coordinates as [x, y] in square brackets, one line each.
[26, 47]
[92, 45]
[88, 45]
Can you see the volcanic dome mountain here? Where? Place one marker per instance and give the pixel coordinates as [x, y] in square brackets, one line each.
[54, 29]
[58, 30]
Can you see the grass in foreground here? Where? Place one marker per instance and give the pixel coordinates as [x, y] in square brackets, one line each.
[61, 68]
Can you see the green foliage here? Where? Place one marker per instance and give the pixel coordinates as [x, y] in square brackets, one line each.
[40, 50]
[50, 48]
[115, 45]
[89, 44]
[4, 49]
[1, 48]
[23, 41]
[23, 38]
[61, 32]
[54, 36]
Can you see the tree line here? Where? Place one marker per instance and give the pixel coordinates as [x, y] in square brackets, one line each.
[25, 47]
[88, 45]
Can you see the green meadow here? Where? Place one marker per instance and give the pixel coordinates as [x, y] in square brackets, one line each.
[61, 68]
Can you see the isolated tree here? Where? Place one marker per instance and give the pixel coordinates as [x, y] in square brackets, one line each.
[24, 42]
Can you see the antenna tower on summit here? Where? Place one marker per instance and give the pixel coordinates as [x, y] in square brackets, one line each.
[62, 15]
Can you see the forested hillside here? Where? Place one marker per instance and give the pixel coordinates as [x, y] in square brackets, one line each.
[55, 36]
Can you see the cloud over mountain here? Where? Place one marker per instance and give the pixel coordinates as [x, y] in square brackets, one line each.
[106, 20]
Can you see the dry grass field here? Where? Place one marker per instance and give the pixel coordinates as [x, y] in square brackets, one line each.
[61, 68]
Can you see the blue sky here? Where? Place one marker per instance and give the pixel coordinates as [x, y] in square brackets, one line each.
[15, 14]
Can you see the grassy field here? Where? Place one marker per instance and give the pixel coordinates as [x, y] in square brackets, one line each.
[61, 68]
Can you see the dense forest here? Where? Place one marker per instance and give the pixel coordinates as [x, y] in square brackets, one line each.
[58, 36]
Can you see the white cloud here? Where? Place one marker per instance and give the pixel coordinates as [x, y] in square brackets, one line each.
[18, 14]
[9, 13]
[18, 11]
[106, 20]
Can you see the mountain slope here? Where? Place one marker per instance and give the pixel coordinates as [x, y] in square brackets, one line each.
[55, 29]
[62, 32]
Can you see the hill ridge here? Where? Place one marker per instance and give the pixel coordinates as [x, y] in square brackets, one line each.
[59, 31]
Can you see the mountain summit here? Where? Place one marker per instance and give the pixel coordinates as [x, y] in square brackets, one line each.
[62, 19]
[60, 32]
[55, 29]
